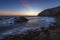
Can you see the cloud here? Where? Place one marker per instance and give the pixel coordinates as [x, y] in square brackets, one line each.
[26, 4]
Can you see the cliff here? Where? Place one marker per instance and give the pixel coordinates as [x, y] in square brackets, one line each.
[50, 12]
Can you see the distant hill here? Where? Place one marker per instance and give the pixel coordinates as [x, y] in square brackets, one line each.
[50, 12]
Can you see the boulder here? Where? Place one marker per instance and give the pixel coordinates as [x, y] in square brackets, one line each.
[50, 12]
[20, 19]
[12, 20]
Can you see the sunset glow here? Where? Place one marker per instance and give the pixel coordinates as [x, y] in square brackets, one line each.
[30, 10]
[25, 7]
[10, 13]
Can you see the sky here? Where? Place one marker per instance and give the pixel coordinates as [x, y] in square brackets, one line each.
[26, 7]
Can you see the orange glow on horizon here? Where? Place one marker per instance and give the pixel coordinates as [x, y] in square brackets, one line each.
[8, 13]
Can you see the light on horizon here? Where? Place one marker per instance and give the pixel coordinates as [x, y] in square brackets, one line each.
[26, 13]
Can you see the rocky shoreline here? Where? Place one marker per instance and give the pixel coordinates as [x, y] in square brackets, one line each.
[37, 34]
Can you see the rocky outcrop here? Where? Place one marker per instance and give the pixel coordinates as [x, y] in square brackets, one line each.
[21, 19]
[28, 35]
[51, 12]
[37, 34]
[12, 20]
[0, 19]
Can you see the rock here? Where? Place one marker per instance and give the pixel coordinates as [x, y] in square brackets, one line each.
[0, 19]
[20, 19]
[29, 35]
[51, 12]
[11, 20]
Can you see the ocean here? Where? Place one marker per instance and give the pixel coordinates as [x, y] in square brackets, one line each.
[33, 23]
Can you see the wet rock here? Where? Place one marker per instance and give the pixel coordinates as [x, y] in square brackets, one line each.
[21, 19]
[12, 20]
[29, 35]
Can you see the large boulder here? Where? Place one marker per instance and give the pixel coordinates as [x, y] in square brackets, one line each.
[21, 19]
[51, 12]
[11, 20]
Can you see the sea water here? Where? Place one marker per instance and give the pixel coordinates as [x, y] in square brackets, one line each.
[33, 23]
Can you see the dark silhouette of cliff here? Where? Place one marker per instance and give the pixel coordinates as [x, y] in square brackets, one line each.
[51, 12]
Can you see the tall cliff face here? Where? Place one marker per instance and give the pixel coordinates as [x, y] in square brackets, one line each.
[51, 12]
